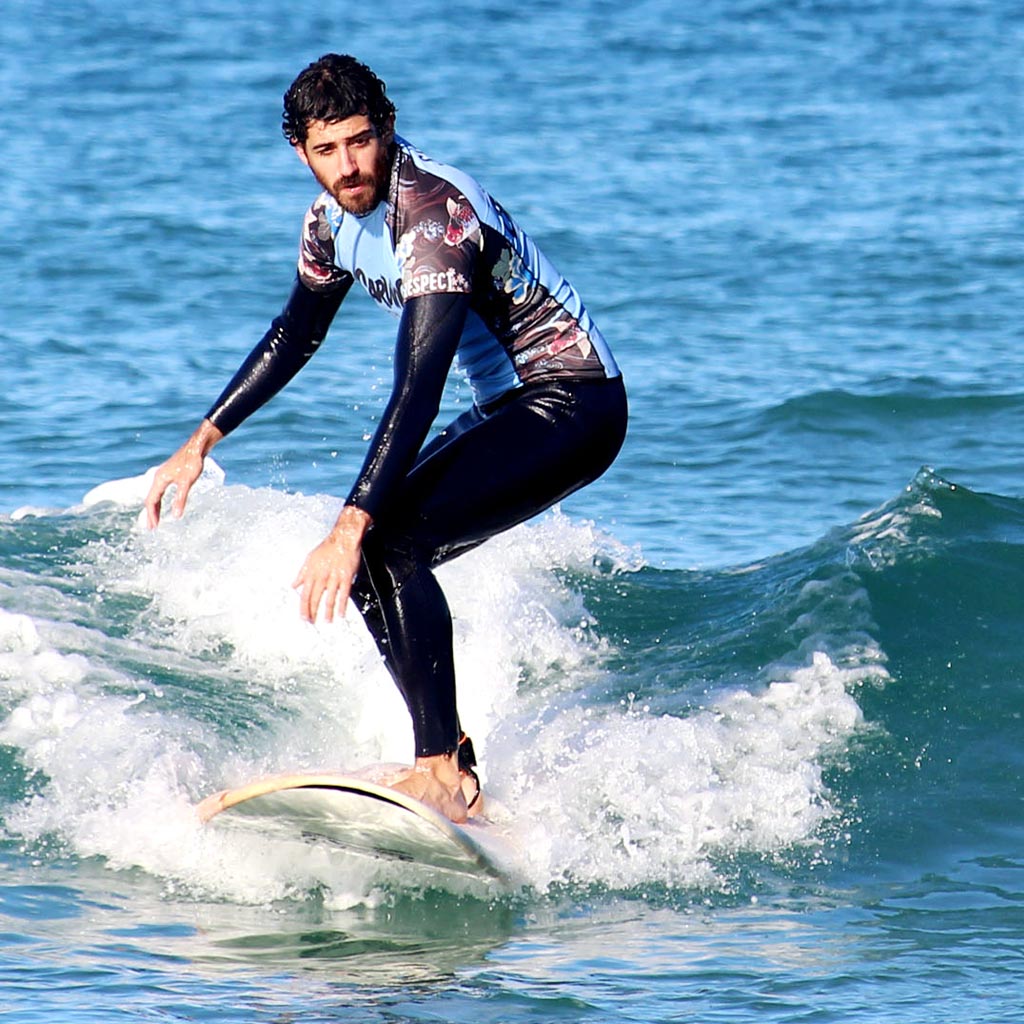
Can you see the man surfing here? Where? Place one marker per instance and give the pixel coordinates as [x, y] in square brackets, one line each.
[467, 284]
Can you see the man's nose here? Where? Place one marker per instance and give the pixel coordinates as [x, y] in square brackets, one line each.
[346, 165]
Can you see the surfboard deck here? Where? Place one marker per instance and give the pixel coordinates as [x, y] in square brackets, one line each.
[359, 816]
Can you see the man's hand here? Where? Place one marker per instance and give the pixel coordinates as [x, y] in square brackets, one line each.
[181, 470]
[330, 568]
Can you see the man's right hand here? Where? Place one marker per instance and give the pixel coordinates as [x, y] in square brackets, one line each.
[181, 470]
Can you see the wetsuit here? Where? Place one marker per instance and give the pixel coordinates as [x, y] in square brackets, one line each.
[549, 412]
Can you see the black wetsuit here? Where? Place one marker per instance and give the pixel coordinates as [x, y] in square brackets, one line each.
[549, 416]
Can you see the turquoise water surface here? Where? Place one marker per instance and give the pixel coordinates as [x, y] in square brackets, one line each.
[751, 705]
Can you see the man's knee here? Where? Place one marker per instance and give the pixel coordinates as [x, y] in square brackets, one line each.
[389, 561]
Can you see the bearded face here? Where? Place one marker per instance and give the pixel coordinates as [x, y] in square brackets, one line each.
[350, 159]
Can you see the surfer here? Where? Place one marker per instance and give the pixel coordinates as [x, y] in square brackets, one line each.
[467, 284]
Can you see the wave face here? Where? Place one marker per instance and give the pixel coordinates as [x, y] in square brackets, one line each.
[848, 703]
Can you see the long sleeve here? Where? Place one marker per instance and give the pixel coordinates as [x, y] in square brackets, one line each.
[428, 337]
[292, 338]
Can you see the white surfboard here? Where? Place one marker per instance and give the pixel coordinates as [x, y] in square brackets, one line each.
[360, 817]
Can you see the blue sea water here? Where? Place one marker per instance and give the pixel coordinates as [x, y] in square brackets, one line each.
[751, 704]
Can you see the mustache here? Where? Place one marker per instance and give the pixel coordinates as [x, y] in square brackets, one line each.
[353, 179]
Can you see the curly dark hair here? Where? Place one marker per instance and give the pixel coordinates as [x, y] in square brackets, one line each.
[331, 89]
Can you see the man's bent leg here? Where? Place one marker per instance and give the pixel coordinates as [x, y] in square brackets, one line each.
[487, 475]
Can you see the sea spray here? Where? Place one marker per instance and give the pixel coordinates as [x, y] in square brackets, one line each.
[595, 788]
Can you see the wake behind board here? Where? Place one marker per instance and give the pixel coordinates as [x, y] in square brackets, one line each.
[358, 816]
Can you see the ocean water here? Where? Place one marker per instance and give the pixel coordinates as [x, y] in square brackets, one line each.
[751, 705]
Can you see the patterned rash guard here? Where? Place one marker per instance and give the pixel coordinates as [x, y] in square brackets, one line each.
[440, 233]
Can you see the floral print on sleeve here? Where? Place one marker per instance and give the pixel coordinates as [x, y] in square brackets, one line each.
[317, 268]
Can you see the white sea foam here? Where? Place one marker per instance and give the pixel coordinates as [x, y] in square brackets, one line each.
[627, 798]
[608, 794]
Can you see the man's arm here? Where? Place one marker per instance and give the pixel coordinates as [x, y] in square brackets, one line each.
[427, 339]
[293, 337]
[286, 347]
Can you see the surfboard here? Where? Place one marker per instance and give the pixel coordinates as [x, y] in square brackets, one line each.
[361, 817]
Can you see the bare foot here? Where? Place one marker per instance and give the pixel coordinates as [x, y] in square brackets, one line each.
[437, 782]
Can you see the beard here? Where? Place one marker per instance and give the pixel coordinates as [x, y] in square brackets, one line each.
[359, 194]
